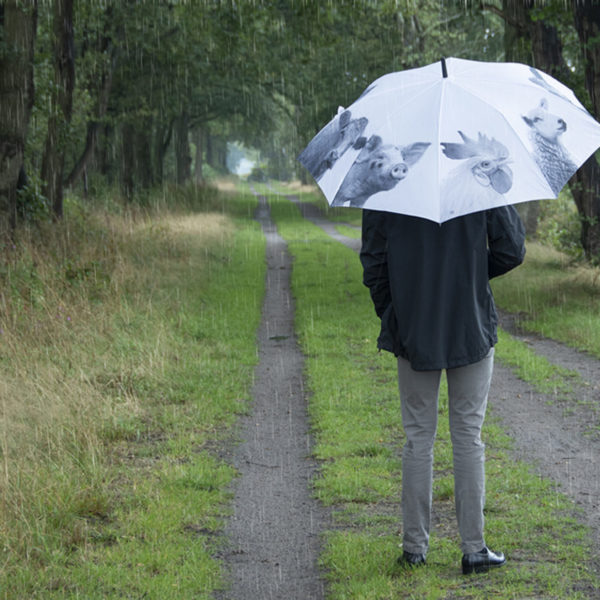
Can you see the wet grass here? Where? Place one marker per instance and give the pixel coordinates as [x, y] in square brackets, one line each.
[351, 232]
[536, 370]
[355, 415]
[116, 398]
[555, 297]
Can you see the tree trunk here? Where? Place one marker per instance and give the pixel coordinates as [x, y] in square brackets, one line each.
[585, 187]
[216, 152]
[128, 160]
[18, 25]
[199, 142]
[586, 182]
[209, 148]
[93, 126]
[143, 155]
[162, 140]
[183, 160]
[106, 141]
[61, 105]
[517, 45]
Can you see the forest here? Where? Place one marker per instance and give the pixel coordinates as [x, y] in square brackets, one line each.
[135, 260]
[132, 95]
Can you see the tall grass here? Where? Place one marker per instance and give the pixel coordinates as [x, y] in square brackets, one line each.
[125, 346]
[53, 280]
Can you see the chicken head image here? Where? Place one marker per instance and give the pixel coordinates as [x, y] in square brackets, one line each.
[482, 173]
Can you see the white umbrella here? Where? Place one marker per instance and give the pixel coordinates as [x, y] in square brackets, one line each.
[452, 138]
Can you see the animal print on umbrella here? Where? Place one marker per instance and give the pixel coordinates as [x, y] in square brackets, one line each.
[550, 155]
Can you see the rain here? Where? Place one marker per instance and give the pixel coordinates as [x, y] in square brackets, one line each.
[125, 106]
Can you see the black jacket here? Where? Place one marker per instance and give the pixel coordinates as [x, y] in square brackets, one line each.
[430, 283]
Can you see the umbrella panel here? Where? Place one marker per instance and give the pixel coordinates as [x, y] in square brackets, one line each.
[438, 147]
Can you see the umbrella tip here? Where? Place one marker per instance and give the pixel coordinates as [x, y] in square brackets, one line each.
[444, 70]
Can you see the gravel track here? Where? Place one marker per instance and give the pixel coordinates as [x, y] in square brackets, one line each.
[272, 539]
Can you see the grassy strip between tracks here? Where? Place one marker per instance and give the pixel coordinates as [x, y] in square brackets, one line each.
[115, 390]
[354, 409]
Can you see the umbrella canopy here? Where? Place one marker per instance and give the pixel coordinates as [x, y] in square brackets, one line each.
[451, 138]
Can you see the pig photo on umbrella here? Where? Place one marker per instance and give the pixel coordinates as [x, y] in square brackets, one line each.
[550, 154]
[332, 142]
[481, 178]
[379, 167]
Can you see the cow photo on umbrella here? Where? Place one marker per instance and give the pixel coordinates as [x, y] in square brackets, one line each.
[342, 133]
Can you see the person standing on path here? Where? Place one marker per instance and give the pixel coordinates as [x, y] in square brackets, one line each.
[429, 284]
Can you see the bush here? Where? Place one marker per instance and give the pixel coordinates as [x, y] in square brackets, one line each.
[258, 175]
[559, 225]
[32, 205]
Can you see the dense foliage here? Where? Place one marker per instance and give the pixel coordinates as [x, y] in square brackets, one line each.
[162, 87]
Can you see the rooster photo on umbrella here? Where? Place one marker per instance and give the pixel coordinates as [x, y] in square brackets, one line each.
[452, 138]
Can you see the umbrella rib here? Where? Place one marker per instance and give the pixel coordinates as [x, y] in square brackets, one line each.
[398, 104]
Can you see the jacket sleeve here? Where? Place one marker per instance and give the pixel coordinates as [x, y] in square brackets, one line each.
[373, 256]
[506, 240]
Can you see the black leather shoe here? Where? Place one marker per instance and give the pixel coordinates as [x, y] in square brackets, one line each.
[408, 559]
[482, 561]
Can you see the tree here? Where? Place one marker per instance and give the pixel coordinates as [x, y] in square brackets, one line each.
[96, 65]
[537, 34]
[17, 37]
[585, 185]
[61, 107]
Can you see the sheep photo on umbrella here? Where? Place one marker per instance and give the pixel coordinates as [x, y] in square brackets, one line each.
[436, 157]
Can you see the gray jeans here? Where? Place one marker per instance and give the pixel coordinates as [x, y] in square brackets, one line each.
[468, 389]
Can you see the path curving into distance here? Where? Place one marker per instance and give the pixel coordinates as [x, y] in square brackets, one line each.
[273, 542]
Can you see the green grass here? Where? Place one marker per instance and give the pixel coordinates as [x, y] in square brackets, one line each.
[350, 216]
[535, 369]
[351, 232]
[355, 414]
[554, 297]
[166, 364]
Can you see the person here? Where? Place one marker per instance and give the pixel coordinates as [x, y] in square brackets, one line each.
[429, 284]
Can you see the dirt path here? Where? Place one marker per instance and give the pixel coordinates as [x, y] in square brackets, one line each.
[273, 542]
[560, 438]
[273, 536]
